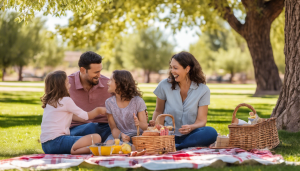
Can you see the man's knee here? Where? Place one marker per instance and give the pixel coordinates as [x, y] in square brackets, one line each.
[89, 128]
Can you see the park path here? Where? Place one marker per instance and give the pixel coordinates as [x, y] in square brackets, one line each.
[39, 87]
[21, 86]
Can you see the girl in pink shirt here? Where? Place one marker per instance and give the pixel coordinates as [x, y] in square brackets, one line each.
[59, 109]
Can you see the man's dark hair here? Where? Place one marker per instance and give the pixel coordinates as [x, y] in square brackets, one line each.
[88, 58]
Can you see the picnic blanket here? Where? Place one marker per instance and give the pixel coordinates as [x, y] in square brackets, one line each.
[187, 158]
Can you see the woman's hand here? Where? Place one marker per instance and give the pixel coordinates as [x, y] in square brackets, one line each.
[185, 129]
[125, 138]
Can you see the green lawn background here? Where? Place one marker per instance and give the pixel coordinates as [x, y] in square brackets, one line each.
[21, 116]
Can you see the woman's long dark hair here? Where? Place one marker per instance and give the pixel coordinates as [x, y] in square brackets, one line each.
[125, 85]
[195, 74]
[55, 88]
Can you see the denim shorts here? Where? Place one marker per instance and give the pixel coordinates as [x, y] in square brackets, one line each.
[60, 145]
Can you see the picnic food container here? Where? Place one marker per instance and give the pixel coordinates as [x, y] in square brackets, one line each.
[101, 150]
[116, 149]
[258, 136]
[156, 144]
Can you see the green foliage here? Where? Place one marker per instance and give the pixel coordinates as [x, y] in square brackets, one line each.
[23, 44]
[147, 49]
[97, 21]
[222, 49]
[51, 55]
[8, 37]
[277, 41]
[28, 42]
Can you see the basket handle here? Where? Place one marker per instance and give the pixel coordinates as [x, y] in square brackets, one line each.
[157, 121]
[237, 108]
[163, 117]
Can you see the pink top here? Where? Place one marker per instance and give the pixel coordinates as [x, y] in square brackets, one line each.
[56, 121]
[89, 100]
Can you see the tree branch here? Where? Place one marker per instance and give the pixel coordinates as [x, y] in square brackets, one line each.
[227, 14]
[273, 8]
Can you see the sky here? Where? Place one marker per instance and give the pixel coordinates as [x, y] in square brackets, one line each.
[183, 38]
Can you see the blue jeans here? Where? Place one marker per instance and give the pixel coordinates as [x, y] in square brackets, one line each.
[60, 145]
[102, 129]
[203, 136]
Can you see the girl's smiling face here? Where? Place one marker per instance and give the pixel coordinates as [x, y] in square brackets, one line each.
[178, 72]
[111, 84]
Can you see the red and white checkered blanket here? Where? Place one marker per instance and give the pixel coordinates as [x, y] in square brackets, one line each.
[188, 158]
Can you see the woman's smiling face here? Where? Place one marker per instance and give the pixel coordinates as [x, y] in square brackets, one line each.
[178, 72]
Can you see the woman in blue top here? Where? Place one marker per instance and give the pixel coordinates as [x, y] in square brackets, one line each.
[185, 96]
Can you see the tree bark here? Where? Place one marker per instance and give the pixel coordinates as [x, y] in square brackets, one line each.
[3, 73]
[231, 76]
[257, 35]
[20, 73]
[147, 76]
[256, 31]
[287, 109]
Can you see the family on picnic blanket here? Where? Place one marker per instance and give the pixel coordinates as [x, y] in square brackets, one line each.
[87, 107]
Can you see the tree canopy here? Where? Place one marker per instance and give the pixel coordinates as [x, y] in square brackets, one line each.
[97, 21]
[147, 49]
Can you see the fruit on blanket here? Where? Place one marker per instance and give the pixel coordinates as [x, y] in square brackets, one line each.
[126, 149]
[117, 149]
[117, 141]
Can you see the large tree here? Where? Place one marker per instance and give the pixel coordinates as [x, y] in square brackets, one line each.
[28, 44]
[96, 20]
[287, 109]
[8, 38]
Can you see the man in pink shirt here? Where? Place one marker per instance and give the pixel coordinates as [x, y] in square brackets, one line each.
[88, 91]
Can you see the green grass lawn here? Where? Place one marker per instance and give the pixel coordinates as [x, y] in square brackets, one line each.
[21, 116]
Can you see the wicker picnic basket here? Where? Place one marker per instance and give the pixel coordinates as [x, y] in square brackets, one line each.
[258, 136]
[156, 144]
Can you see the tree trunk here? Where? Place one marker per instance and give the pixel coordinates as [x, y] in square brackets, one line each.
[3, 73]
[256, 31]
[266, 73]
[287, 109]
[147, 76]
[231, 76]
[20, 73]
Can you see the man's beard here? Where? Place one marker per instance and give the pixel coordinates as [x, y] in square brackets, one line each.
[93, 83]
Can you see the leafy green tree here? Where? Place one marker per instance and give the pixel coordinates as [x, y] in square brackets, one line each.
[52, 53]
[232, 60]
[277, 40]
[148, 49]
[28, 44]
[103, 21]
[8, 37]
[23, 44]
[221, 49]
